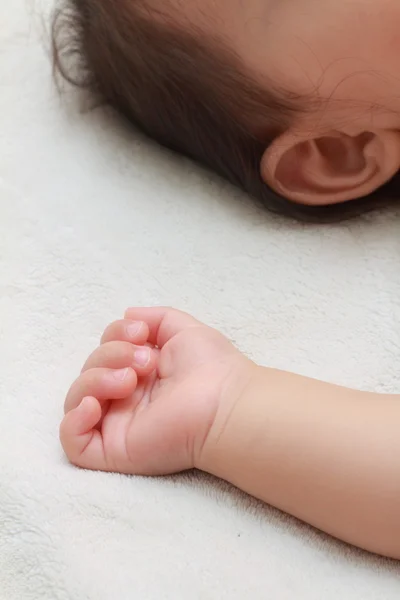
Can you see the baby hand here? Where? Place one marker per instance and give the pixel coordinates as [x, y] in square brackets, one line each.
[147, 409]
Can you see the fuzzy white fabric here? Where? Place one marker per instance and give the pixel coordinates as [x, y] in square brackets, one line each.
[95, 218]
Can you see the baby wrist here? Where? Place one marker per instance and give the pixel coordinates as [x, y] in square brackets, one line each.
[226, 430]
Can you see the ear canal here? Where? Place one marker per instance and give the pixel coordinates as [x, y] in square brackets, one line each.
[332, 168]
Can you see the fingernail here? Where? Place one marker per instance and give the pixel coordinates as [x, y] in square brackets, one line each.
[121, 374]
[134, 328]
[142, 356]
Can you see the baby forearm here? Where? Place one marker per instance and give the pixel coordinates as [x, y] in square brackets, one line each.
[327, 455]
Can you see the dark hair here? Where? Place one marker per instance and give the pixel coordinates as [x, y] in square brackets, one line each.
[189, 93]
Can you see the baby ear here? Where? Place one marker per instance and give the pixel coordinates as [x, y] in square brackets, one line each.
[333, 168]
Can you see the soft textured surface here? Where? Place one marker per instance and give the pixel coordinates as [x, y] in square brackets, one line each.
[94, 218]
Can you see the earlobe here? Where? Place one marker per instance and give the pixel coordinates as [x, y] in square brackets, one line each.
[333, 168]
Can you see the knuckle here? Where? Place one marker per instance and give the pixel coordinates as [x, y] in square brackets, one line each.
[106, 352]
[111, 329]
[117, 351]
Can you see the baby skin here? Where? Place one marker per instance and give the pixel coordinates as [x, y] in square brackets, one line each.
[164, 393]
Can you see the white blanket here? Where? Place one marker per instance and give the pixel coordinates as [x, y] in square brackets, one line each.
[93, 219]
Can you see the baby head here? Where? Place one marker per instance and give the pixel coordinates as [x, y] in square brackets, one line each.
[297, 102]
